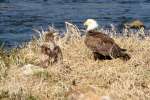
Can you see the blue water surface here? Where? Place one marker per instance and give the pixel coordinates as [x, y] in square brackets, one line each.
[19, 17]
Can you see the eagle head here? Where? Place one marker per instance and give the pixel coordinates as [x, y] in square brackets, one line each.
[91, 24]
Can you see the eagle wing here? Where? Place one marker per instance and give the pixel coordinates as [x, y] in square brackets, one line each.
[101, 43]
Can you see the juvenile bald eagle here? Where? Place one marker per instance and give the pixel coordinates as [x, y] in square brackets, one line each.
[102, 46]
[50, 51]
[135, 24]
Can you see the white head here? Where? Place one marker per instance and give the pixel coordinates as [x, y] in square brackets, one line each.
[91, 24]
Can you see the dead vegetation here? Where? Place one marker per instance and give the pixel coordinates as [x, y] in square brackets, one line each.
[113, 78]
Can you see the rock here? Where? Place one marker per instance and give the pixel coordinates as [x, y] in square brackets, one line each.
[105, 98]
[30, 69]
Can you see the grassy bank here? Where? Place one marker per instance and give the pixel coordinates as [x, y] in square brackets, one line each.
[121, 80]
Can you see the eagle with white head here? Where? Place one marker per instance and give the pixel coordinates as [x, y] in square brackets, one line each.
[102, 46]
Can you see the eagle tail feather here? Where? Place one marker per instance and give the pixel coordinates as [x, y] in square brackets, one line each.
[123, 49]
[125, 57]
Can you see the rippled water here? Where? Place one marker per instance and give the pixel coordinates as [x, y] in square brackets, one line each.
[19, 17]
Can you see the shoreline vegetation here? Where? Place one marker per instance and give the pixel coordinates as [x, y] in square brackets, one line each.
[114, 78]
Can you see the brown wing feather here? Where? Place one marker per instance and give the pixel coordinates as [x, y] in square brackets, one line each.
[102, 43]
[102, 36]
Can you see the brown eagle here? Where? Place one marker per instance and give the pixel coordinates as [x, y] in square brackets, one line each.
[135, 24]
[102, 46]
[50, 51]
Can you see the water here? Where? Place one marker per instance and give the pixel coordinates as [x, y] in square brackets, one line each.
[19, 17]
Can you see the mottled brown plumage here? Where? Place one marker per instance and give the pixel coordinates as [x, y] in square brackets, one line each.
[104, 47]
[50, 52]
[135, 24]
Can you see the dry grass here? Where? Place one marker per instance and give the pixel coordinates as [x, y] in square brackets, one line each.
[120, 80]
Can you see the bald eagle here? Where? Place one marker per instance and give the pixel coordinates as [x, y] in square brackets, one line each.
[50, 52]
[135, 24]
[102, 46]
